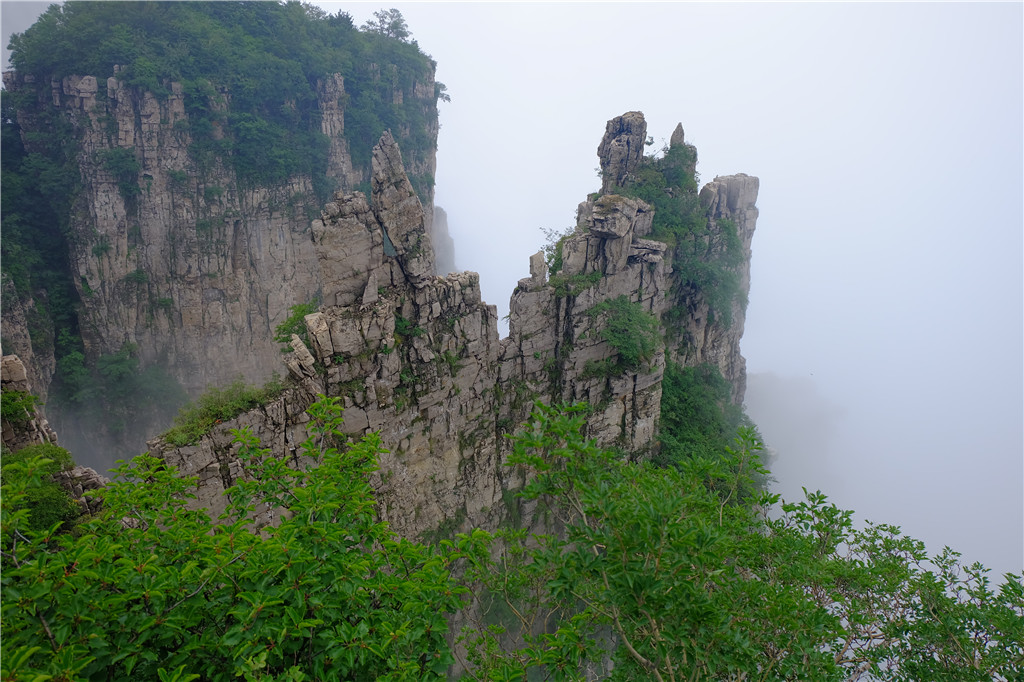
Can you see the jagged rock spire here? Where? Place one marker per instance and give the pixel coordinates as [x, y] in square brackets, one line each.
[400, 213]
[621, 148]
[677, 136]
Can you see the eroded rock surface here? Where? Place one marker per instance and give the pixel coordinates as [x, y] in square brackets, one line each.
[621, 148]
[190, 264]
[417, 357]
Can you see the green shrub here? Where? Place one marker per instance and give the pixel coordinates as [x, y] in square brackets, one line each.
[137, 277]
[101, 247]
[217, 405]
[629, 329]
[295, 323]
[705, 259]
[330, 592]
[47, 503]
[698, 418]
[18, 407]
[553, 242]
[573, 285]
[123, 165]
[405, 329]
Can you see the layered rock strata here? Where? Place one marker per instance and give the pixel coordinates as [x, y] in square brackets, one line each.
[417, 357]
[176, 254]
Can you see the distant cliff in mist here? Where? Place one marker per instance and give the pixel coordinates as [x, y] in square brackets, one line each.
[157, 203]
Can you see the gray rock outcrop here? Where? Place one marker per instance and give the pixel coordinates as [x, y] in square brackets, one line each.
[621, 148]
[417, 358]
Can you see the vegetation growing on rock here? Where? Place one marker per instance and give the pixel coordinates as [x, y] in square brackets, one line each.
[46, 505]
[217, 405]
[267, 57]
[629, 329]
[666, 573]
[663, 573]
[706, 259]
[101, 219]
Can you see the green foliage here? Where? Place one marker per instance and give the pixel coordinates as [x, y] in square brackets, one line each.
[271, 57]
[662, 573]
[137, 277]
[389, 23]
[295, 323]
[553, 241]
[451, 361]
[405, 329]
[47, 504]
[699, 421]
[122, 164]
[156, 590]
[573, 285]
[629, 329]
[217, 405]
[102, 246]
[19, 407]
[36, 192]
[697, 414]
[114, 390]
[705, 255]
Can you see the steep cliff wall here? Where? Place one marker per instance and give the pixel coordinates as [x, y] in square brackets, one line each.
[178, 247]
[417, 357]
[178, 254]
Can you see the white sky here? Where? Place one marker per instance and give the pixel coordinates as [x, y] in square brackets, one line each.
[885, 333]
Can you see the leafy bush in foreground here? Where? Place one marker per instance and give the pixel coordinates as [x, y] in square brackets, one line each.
[155, 590]
[663, 573]
[47, 504]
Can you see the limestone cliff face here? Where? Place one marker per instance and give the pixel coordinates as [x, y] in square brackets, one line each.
[180, 256]
[417, 357]
[732, 198]
[14, 320]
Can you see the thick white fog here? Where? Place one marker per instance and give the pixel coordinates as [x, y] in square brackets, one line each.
[884, 332]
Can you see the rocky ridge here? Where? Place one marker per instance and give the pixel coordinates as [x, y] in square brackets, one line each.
[417, 357]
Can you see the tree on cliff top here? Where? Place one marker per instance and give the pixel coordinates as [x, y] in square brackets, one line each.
[389, 23]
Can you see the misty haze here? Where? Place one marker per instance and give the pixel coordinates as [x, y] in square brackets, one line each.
[438, 226]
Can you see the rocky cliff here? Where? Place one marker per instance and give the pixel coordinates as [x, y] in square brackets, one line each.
[417, 357]
[171, 252]
[181, 257]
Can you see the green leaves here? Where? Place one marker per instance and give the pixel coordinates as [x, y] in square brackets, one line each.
[629, 329]
[666, 573]
[156, 590]
[685, 572]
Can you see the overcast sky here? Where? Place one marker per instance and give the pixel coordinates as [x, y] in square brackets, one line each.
[884, 332]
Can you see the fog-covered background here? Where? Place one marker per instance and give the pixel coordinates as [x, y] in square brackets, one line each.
[884, 332]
